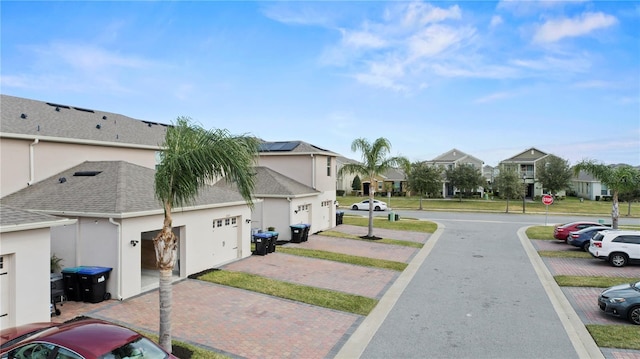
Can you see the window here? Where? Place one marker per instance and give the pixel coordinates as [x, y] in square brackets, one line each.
[64, 353]
[217, 223]
[379, 186]
[328, 166]
[233, 220]
[227, 221]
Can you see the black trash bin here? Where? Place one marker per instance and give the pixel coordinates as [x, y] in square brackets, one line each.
[261, 240]
[71, 284]
[305, 233]
[93, 283]
[57, 292]
[297, 231]
[339, 217]
[272, 241]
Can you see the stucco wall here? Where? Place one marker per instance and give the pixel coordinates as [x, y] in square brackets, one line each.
[53, 157]
[29, 253]
[296, 167]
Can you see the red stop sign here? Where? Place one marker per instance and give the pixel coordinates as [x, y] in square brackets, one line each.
[547, 199]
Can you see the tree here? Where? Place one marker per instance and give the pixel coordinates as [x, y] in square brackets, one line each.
[554, 173]
[509, 186]
[356, 185]
[632, 193]
[425, 179]
[192, 157]
[374, 162]
[466, 178]
[618, 179]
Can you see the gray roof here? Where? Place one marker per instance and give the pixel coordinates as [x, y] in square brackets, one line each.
[116, 189]
[292, 147]
[270, 183]
[31, 118]
[530, 155]
[454, 155]
[13, 219]
[394, 174]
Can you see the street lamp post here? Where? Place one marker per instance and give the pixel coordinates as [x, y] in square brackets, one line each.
[524, 191]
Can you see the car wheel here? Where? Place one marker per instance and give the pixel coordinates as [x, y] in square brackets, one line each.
[377, 208]
[355, 208]
[586, 246]
[618, 259]
[634, 315]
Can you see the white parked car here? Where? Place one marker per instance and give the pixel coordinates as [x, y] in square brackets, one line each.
[618, 247]
[377, 205]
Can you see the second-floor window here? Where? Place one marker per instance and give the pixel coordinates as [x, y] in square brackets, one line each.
[329, 166]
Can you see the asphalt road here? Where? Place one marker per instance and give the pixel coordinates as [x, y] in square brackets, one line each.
[476, 295]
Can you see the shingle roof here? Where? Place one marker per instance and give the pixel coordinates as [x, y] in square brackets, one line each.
[270, 183]
[13, 218]
[33, 118]
[292, 147]
[117, 188]
[454, 155]
[530, 155]
[394, 174]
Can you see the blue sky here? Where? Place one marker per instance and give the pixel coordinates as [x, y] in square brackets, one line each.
[490, 78]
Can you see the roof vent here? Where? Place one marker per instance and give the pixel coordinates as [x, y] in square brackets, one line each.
[98, 126]
[58, 108]
[149, 124]
[87, 173]
[24, 115]
[62, 180]
[104, 117]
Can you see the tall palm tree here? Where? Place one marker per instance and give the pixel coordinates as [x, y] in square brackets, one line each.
[374, 162]
[194, 157]
[617, 179]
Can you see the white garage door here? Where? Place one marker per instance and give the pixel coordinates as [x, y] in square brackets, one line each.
[226, 239]
[5, 300]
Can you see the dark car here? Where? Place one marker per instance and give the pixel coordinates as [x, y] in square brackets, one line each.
[84, 338]
[562, 231]
[582, 237]
[622, 301]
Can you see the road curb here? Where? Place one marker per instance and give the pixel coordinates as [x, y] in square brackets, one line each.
[580, 338]
[358, 341]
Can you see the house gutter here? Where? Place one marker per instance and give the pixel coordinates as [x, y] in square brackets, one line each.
[119, 229]
[313, 171]
[31, 164]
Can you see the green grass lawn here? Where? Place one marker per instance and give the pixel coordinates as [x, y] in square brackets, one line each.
[402, 225]
[615, 336]
[345, 258]
[596, 282]
[311, 295]
[570, 205]
[565, 254]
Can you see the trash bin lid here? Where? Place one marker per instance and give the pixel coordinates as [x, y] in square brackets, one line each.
[297, 226]
[70, 270]
[93, 270]
[262, 235]
[273, 233]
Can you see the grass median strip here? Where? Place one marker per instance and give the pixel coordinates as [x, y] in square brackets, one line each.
[615, 336]
[597, 282]
[396, 242]
[345, 258]
[565, 254]
[315, 296]
[401, 225]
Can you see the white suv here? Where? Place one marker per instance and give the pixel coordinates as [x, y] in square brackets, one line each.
[618, 247]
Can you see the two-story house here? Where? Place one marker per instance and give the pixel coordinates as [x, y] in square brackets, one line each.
[525, 163]
[450, 160]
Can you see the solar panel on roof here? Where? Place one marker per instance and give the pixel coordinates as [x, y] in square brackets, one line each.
[278, 146]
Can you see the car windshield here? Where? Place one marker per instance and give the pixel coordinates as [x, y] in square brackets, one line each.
[142, 348]
[636, 285]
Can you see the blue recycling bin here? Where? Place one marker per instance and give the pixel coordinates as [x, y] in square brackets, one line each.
[272, 241]
[93, 283]
[261, 239]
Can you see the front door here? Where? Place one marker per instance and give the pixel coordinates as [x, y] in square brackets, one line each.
[5, 300]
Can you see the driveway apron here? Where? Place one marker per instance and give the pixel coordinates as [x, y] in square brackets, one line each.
[475, 296]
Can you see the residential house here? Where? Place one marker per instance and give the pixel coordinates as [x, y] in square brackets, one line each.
[394, 182]
[584, 185]
[117, 216]
[525, 163]
[25, 283]
[97, 168]
[39, 139]
[450, 160]
[344, 181]
[311, 166]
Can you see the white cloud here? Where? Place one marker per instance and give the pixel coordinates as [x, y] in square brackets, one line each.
[496, 21]
[494, 97]
[558, 29]
[362, 39]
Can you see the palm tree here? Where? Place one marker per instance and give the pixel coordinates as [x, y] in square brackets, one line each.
[193, 157]
[374, 162]
[617, 178]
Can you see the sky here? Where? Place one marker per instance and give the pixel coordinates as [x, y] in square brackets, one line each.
[488, 78]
